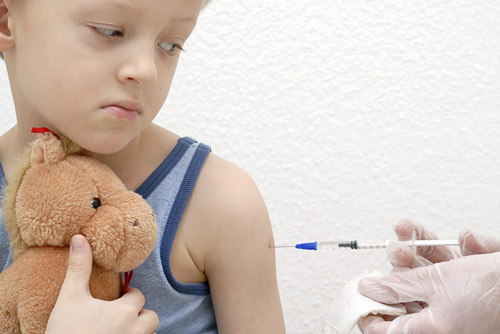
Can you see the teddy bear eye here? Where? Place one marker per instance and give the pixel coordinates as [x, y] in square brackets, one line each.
[96, 202]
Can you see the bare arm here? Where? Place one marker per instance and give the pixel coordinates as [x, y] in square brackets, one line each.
[238, 262]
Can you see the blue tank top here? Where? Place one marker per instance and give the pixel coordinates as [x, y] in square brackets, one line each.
[182, 308]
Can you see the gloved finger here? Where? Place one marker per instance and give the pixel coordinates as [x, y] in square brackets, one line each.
[399, 287]
[474, 243]
[399, 254]
[372, 324]
[402, 256]
[417, 323]
[414, 307]
[77, 277]
[404, 230]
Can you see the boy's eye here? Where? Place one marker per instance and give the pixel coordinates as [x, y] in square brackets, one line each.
[170, 47]
[109, 32]
[167, 46]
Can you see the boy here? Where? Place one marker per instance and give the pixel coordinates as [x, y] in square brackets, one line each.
[99, 71]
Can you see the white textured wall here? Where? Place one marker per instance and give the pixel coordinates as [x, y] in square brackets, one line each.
[350, 115]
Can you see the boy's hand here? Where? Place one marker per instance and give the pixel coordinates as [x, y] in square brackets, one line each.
[76, 311]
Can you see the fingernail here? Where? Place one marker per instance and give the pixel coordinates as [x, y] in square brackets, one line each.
[77, 243]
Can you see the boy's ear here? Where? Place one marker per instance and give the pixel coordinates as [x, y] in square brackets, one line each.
[6, 37]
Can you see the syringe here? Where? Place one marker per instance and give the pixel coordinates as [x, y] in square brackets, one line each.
[367, 244]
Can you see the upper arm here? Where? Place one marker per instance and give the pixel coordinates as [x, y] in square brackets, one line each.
[238, 261]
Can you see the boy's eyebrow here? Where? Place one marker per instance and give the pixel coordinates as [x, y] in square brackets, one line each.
[121, 5]
[126, 6]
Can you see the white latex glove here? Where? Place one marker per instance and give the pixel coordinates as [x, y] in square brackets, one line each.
[402, 256]
[462, 296]
[475, 243]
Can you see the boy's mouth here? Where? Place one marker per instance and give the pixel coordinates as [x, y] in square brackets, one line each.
[125, 110]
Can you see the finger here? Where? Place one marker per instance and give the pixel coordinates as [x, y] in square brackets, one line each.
[373, 325]
[399, 254]
[148, 321]
[402, 256]
[132, 297]
[79, 267]
[417, 323]
[474, 243]
[404, 230]
[399, 287]
[414, 307]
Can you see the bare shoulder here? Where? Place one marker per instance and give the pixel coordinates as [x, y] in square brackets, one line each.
[233, 204]
[226, 209]
[229, 189]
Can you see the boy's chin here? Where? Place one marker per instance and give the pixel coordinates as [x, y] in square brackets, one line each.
[109, 141]
[104, 146]
[106, 149]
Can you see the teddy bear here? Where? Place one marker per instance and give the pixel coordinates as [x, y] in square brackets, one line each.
[60, 190]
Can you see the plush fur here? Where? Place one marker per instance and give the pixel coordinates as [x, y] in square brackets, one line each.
[59, 191]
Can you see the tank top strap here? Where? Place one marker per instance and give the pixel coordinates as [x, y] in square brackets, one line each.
[168, 190]
[172, 225]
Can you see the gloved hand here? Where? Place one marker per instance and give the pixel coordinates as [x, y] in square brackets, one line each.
[461, 296]
[402, 256]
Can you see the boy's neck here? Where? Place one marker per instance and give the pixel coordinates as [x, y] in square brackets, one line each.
[141, 156]
[133, 164]
[124, 163]
[10, 148]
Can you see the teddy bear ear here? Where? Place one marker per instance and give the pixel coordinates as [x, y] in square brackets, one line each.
[46, 149]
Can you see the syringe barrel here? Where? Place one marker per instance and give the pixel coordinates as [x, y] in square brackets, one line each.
[369, 244]
[372, 244]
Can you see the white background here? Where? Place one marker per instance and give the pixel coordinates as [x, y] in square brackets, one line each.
[350, 115]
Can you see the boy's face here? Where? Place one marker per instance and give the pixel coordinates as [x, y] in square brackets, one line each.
[84, 66]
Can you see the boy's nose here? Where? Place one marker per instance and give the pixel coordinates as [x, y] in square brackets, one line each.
[139, 65]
